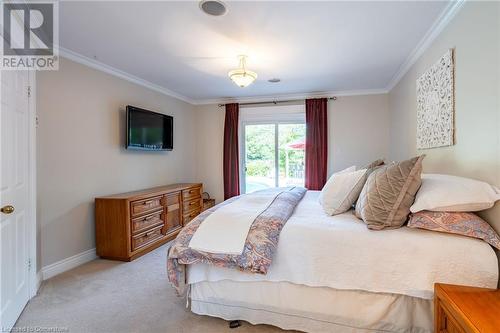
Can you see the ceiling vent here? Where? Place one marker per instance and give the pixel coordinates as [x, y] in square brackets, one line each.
[213, 7]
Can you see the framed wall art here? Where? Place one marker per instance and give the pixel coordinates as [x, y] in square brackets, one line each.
[436, 104]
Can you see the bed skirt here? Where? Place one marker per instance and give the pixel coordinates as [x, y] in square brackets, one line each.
[311, 309]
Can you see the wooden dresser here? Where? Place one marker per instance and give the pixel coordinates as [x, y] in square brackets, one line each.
[461, 309]
[131, 224]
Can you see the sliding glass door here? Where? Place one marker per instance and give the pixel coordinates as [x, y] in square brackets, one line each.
[260, 157]
[291, 146]
[273, 155]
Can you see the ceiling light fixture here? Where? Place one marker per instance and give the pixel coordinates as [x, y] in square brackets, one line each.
[242, 76]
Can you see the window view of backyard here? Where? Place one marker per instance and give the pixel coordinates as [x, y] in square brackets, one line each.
[261, 143]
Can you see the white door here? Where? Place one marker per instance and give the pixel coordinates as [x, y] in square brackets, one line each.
[14, 196]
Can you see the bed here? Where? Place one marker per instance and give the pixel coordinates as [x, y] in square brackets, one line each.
[331, 273]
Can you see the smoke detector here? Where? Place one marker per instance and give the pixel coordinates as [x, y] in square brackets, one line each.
[213, 7]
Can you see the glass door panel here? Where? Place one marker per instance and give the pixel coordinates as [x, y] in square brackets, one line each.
[291, 143]
[260, 157]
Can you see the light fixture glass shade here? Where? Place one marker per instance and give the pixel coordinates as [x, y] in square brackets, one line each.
[241, 76]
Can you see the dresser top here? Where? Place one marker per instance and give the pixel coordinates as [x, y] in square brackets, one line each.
[149, 192]
[480, 307]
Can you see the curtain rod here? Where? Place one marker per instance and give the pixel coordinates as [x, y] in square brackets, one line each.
[334, 98]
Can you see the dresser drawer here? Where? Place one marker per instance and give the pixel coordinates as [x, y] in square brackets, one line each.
[172, 199]
[191, 193]
[146, 237]
[145, 222]
[143, 206]
[191, 215]
[449, 325]
[192, 205]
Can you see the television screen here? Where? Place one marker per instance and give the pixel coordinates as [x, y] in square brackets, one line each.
[149, 130]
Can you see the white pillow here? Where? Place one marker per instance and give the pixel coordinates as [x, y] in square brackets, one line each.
[349, 169]
[342, 190]
[445, 193]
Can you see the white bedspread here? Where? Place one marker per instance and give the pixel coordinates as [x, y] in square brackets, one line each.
[226, 229]
[318, 250]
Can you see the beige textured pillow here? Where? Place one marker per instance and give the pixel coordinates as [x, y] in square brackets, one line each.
[388, 194]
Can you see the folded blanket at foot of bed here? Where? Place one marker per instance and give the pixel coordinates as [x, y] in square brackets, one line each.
[260, 244]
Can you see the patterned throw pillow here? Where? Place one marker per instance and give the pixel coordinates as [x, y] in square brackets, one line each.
[460, 223]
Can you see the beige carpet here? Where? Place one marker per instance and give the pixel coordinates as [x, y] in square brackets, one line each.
[111, 296]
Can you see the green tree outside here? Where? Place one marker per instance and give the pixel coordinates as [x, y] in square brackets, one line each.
[260, 149]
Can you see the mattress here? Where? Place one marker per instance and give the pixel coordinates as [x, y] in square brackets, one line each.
[339, 252]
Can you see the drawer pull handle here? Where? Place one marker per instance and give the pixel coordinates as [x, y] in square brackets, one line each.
[148, 202]
[149, 218]
[191, 203]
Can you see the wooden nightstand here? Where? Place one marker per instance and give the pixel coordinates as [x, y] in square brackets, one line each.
[461, 309]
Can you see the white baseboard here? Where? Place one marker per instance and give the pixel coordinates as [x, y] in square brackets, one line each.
[68, 263]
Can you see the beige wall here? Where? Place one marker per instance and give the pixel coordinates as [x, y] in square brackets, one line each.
[81, 151]
[474, 33]
[358, 133]
[209, 149]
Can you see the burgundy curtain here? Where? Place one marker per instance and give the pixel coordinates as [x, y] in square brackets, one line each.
[316, 143]
[231, 155]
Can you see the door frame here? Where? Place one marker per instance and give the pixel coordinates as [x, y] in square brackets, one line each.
[35, 279]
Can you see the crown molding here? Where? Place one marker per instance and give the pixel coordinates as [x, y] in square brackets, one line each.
[286, 97]
[442, 21]
[77, 57]
[74, 56]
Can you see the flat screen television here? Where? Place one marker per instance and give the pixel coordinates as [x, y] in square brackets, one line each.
[148, 130]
